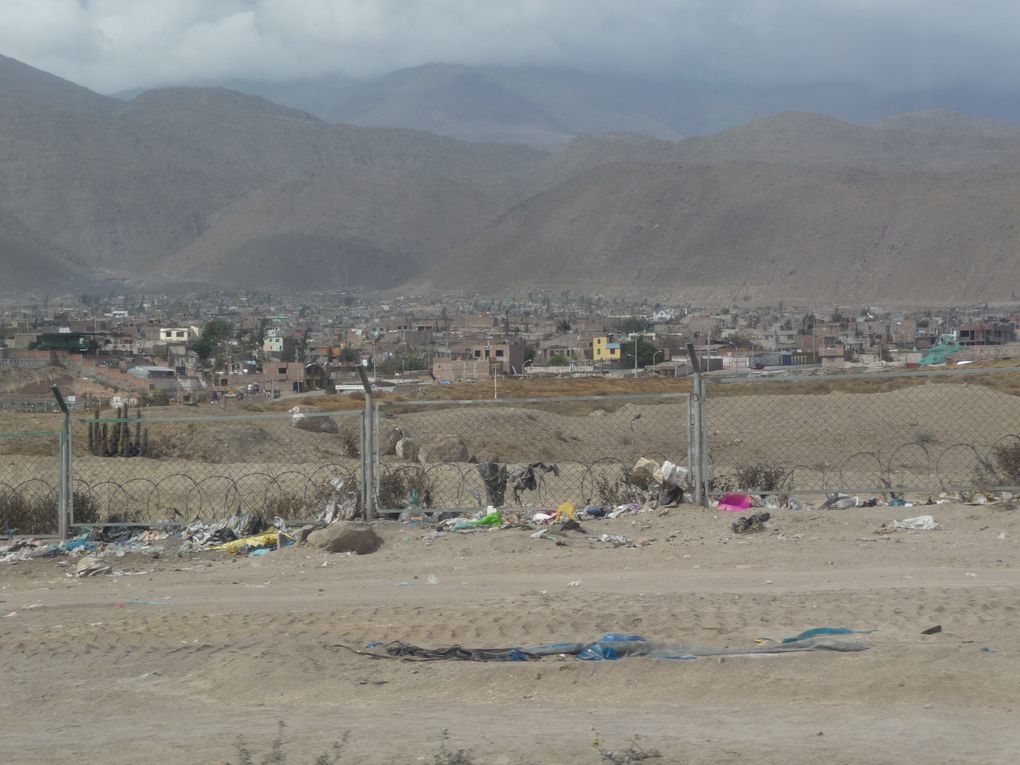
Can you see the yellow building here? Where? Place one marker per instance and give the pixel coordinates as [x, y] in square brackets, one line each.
[604, 349]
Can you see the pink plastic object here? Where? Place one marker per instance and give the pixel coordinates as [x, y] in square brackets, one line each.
[735, 503]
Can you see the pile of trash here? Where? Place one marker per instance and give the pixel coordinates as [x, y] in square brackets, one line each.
[106, 541]
[240, 533]
[550, 526]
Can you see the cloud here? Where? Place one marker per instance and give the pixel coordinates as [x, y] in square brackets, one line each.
[110, 45]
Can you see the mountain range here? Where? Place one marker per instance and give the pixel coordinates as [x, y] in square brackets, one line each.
[217, 186]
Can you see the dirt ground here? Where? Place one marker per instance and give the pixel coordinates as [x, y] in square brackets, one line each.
[173, 665]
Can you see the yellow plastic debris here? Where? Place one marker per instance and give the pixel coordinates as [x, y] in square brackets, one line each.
[268, 539]
[566, 511]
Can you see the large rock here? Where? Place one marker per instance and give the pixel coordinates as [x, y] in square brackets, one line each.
[389, 437]
[346, 536]
[407, 449]
[299, 418]
[445, 448]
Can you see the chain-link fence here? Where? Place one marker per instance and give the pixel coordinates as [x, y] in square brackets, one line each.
[140, 469]
[29, 482]
[925, 431]
[541, 452]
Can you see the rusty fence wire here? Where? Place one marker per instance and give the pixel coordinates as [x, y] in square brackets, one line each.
[29, 482]
[921, 432]
[462, 455]
[145, 470]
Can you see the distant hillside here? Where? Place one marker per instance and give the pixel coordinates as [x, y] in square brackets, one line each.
[210, 185]
[123, 186]
[337, 227]
[763, 231]
[546, 108]
[29, 260]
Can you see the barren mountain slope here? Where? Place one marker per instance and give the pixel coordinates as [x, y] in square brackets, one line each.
[335, 228]
[123, 186]
[758, 230]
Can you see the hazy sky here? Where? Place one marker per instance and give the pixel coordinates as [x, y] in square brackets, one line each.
[111, 45]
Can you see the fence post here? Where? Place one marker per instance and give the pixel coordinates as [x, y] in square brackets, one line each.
[368, 450]
[65, 503]
[697, 431]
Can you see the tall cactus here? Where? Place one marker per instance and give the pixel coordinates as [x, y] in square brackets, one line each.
[117, 441]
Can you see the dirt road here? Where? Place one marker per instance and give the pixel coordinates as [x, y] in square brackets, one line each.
[175, 664]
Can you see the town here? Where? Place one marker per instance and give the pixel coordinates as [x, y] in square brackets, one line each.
[223, 347]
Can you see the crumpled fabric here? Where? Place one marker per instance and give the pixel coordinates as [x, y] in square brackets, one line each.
[920, 523]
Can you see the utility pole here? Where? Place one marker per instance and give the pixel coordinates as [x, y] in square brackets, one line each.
[635, 356]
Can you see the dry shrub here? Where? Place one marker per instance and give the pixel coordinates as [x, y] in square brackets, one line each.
[764, 476]
[396, 487]
[1003, 469]
[27, 514]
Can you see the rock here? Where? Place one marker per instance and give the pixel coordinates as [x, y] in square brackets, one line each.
[90, 565]
[300, 418]
[445, 448]
[389, 437]
[302, 534]
[407, 449]
[346, 536]
[597, 413]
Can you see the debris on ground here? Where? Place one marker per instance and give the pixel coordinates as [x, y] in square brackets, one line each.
[750, 523]
[91, 566]
[611, 647]
[919, 523]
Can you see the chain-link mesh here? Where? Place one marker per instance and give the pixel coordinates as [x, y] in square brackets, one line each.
[540, 452]
[922, 432]
[147, 470]
[29, 482]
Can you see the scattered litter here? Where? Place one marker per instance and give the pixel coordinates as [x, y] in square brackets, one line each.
[840, 502]
[1003, 535]
[734, 503]
[932, 630]
[91, 566]
[566, 511]
[824, 631]
[616, 540]
[608, 648]
[492, 519]
[274, 539]
[432, 579]
[549, 536]
[575, 583]
[919, 523]
[750, 523]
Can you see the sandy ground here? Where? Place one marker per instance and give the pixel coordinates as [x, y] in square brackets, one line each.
[175, 664]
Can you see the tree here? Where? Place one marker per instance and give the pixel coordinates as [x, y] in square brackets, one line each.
[563, 327]
[214, 334]
[645, 352]
[807, 324]
[406, 363]
[633, 324]
[558, 360]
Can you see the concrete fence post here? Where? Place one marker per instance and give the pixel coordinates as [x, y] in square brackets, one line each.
[699, 442]
[369, 453]
[65, 501]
